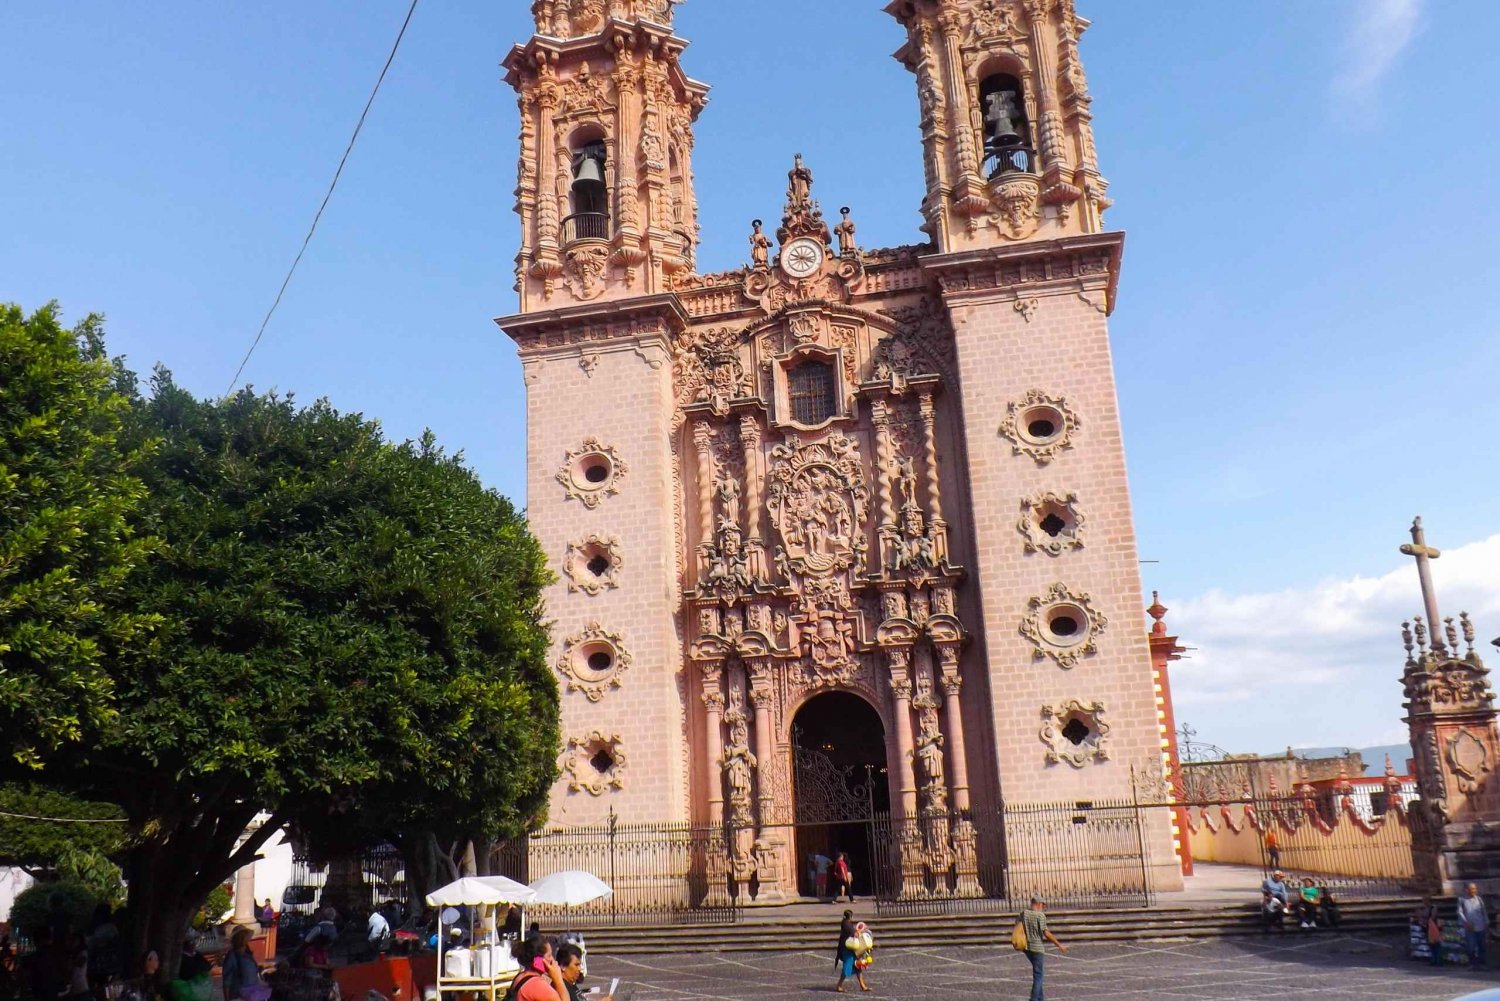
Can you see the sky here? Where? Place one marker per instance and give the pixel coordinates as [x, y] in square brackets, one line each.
[1304, 338]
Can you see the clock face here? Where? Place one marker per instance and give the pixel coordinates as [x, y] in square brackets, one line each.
[801, 257]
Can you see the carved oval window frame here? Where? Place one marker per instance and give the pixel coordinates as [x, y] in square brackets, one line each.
[1036, 406]
[580, 666]
[581, 557]
[591, 472]
[1044, 611]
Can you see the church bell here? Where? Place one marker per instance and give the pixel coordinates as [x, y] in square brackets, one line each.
[588, 178]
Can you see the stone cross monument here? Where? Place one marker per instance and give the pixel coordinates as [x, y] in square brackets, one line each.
[1450, 710]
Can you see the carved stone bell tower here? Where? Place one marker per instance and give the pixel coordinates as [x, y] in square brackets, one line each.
[605, 191]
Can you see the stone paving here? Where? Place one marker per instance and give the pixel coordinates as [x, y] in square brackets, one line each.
[1282, 967]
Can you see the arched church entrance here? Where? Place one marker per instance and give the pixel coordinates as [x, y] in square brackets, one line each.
[840, 784]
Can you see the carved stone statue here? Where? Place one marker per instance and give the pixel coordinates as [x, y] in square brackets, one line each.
[799, 182]
[760, 246]
[739, 765]
[906, 481]
[929, 754]
[729, 500]
[845, 232]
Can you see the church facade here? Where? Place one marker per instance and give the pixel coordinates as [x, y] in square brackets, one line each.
[841, 495]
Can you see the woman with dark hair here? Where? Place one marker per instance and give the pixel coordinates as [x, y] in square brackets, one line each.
[241, 971]
[540, 978]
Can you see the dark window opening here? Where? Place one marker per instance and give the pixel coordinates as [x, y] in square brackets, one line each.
[811, 389]
[598, 566]
[1076, 731]
[602, 761]
[600, 661]
[1053, 525]
[1064, 625]
[1007, 133]
[597, 473]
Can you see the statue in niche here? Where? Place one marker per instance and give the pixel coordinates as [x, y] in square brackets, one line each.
[913, 550]
[929, 755]
[906, 481]
[760, 245]
[830, 644]
[729, 500]
[739, 765]
[845, 232]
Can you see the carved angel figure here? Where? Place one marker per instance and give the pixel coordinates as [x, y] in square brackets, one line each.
[760, 246]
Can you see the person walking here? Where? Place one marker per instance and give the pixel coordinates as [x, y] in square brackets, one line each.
[1432, 925]
[843, 956]
[240, 970]
[1475, 922]
[821, 864]
[1034, 922]
[1273, 848]
[844, 876]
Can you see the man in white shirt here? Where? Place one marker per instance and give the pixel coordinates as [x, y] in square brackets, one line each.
[378, 931]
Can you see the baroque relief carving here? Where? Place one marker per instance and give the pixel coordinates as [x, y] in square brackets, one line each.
[594, 763]
[593, 563]
[592, 472]
[593, 661]
[1040, 425]
[1470, 760]
[1074, 732]
[706, 368]
[1051, 523]
[584, 270]
[1063, 625]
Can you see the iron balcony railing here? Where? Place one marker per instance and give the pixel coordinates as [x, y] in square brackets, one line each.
[1009, 160]
[586, 226]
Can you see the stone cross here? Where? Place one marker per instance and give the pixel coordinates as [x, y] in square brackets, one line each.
[1424, 555]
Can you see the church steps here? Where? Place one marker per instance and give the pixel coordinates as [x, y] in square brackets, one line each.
[1383, 915]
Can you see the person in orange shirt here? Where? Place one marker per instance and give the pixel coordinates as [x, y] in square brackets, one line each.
[1273, 848]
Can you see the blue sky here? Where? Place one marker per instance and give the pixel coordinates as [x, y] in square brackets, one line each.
[1305, 332]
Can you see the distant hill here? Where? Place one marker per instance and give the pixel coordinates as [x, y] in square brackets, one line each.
[1374, 757]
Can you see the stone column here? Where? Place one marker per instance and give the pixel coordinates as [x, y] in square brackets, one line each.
[769, 844]
[750, 440]
[880, 416]
[713, 706]
[958, 760]
[951, 22]
[703, 442]
[244, 897]
[899, 662]
[934, 480]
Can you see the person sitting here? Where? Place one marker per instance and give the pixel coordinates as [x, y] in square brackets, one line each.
[570, 961]
[1274, 887]
[1330, 908]
[540, 978]
[1309, 904]
[1272, 911]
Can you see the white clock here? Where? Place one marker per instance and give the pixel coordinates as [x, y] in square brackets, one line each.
[802, 257]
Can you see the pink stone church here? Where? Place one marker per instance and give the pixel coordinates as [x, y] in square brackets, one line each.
[844, 545]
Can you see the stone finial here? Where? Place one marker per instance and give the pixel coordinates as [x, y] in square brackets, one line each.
[1468, 632]
[1392, 780]
[1271, 786]
[1420, 628]
[1406, 640]
[1157, 611]
[1450, 633]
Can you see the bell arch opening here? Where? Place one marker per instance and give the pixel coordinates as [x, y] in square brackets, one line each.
[840, 783]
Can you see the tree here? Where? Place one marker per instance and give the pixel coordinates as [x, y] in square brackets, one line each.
[342, 621]
[83, 831]
[67, 494]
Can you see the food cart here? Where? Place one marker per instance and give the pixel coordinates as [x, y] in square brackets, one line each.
[484, 965]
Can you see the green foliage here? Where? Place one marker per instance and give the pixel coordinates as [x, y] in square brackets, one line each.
[91, 869]
[66, 544]
[42, 844]
[219, 901]
[33, 907]
[344, 619]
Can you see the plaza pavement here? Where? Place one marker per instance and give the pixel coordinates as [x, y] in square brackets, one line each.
[1287, 967]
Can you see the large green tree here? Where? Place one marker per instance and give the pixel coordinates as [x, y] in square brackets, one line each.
[347, 626]
[67, 493]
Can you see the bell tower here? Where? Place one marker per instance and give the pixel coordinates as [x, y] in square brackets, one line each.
[1007, 132]
[605, 191]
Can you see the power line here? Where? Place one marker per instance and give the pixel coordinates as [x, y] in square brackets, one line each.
[64, 820]
[329, 194]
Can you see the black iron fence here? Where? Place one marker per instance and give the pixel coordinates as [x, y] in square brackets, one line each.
[1077, 854]
[586, 226]
[664, 873]
[352, 885]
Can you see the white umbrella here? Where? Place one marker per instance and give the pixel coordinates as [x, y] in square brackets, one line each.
[569, 888]
[515, 893]
[470, 891]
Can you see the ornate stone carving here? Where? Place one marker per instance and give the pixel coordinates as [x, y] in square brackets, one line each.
[1017, 199]
[739, 766]
[1075, 732]
[584, 270]
[592, 472]
[594, 763]
[707, 368]
[593, 661]
[1040, 425]
[1051, 523]
[929, 757]
[1470, 760]
[593, 563]
[1063, 625]
[923, 346]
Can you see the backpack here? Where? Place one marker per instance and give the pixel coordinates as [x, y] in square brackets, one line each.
[1018, 936]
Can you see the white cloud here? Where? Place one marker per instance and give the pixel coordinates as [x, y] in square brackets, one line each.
[1380, 32]
[1319, 665]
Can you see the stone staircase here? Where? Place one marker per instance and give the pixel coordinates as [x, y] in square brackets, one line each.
[758, 933]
